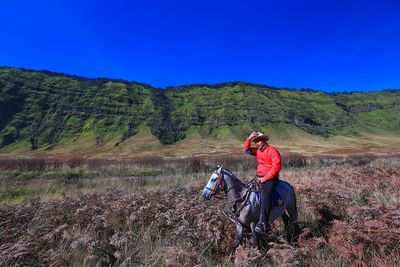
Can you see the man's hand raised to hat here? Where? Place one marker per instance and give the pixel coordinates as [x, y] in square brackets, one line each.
[253, 134]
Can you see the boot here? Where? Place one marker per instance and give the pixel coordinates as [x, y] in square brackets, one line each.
[262, 228]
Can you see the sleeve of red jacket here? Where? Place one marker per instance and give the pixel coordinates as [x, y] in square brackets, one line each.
[249, 150]
[276, 164]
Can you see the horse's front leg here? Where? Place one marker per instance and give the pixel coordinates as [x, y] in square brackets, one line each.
[239, 235]
[256, 241]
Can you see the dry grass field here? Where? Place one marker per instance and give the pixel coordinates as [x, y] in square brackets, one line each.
[149, 213]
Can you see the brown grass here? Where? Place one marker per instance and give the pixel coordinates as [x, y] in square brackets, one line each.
[350, 215]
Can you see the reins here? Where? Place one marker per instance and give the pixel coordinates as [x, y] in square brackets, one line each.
[251, 188]
[221, 182]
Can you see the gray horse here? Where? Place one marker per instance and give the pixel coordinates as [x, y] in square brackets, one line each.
[248, 201]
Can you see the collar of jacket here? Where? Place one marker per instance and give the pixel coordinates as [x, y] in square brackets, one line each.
[263, 147]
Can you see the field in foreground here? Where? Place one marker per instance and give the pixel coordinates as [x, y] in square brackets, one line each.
[350, 215]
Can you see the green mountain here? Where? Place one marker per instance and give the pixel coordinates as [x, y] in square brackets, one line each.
[49, 113]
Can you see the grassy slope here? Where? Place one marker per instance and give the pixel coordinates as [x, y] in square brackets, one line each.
[286, 138]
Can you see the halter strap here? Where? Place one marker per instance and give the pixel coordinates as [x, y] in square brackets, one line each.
[219, 182]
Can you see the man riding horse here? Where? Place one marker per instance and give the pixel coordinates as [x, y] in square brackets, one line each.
[267, 175]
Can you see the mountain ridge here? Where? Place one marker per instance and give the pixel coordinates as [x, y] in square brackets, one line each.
[212, 85]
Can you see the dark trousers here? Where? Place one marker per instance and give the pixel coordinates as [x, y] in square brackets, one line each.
[266, 197]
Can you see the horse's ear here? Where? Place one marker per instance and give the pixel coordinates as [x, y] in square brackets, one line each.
[219, 168]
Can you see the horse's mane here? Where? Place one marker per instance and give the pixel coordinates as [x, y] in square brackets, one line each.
[233, 176]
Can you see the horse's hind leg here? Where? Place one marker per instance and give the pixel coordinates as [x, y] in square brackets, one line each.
[293, 229]
[239, 235]
[285, 219]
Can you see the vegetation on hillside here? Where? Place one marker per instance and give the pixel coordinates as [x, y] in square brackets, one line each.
[46, 109]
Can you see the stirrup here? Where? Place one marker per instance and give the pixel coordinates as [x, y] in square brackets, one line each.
[260, 228]
[230, 215]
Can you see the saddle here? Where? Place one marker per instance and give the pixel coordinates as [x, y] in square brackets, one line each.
[252, 186]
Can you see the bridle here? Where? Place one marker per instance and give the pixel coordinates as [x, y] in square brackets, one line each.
[220, 182]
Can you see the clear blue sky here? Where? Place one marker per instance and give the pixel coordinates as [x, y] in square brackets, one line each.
[329, 45]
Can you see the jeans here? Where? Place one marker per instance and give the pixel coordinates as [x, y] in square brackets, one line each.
[266, 197]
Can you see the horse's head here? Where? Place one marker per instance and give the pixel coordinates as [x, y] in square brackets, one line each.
[215, 184]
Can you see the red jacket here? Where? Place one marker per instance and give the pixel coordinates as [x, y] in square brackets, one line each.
[269, 160]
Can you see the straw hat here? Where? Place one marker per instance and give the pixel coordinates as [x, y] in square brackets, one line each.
[260, 136]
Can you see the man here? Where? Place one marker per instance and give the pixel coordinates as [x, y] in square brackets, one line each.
[267, 175]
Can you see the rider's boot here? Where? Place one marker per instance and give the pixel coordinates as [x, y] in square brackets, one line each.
[262, 228]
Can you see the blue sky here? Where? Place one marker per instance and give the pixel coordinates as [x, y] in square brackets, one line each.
[324, 45]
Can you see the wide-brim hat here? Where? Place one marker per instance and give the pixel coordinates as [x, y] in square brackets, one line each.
[260, 136]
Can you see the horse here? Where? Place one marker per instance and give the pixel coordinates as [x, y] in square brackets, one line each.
[248, 201]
